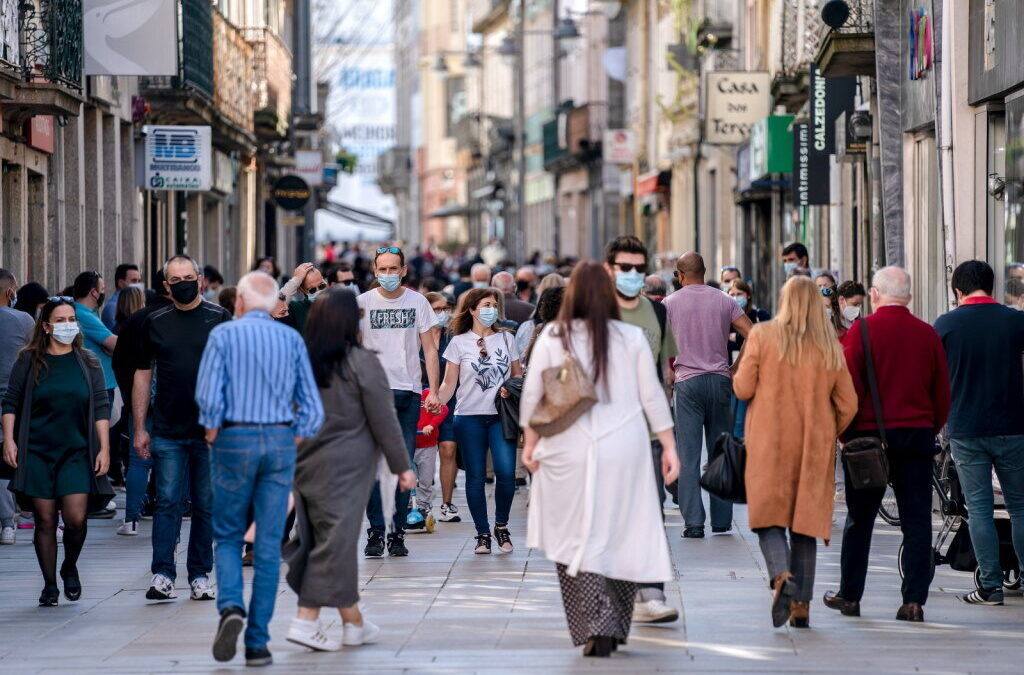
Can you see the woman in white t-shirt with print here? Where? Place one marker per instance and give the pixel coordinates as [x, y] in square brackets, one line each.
[480, 360]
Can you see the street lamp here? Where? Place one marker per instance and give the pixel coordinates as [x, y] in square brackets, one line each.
[566, 30]
[440, 65]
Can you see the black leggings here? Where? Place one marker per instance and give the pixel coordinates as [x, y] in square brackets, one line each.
[73, 508]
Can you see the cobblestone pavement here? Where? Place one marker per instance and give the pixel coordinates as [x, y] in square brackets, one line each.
[444, 609]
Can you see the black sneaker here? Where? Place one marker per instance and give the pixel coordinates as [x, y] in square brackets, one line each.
[504, 539]
[984, 596]
[232, 621]
[258, 657]
[396, 545]
[693, 533]
[483, 544]
[374, 544]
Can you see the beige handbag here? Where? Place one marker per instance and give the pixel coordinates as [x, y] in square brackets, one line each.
[568, 394]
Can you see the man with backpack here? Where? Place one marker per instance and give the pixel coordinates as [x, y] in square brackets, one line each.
[626, 262]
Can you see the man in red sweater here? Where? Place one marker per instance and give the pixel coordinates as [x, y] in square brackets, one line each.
[913, 385]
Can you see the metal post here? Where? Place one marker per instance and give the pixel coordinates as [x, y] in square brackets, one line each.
[514, 234]
[556, 85]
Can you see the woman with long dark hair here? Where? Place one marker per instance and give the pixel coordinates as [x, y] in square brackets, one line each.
[481, 358]
[56, 428]
[592, 510]
[335, 471]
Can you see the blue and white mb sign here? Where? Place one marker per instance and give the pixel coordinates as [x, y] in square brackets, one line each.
[177, 157]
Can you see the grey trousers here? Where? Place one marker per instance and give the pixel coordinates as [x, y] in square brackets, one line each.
[425, 460]
[797, 556]
[7, 506]
[703, 410]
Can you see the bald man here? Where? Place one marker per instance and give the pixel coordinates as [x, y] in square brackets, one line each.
[701, 318]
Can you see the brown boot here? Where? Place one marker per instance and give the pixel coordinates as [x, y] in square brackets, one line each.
[911, 611]
[784, 588]
[800, 614]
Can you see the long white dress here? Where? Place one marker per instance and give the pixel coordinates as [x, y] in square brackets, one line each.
[593, 505]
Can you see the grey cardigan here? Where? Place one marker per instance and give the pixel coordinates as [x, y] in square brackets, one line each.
[18, 401]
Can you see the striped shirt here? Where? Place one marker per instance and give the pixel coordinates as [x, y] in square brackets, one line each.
[256, 371]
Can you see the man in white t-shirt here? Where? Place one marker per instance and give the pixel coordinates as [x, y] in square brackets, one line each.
[396, 324]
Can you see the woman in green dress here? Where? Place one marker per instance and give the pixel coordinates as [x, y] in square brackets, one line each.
[56, 419]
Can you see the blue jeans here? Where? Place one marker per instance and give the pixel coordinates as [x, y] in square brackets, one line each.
[180, 464]
[703, 411]
[407, 407]
[474, 434]
[252, 467]
[975, 458]
[739, 411]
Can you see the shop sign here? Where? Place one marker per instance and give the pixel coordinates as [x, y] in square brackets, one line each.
[921, 47]
[129, 38]
[619, 146]
[177, 158]
[735, 101]
[771, 146]
[291, 192]
[39, 133]
[810, 170]
[830, 96]
[646, 184]
[309, 166]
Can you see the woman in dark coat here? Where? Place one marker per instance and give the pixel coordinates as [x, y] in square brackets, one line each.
[336, 470]
[56, 428]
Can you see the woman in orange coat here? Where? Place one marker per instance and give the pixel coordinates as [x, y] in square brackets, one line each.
[793, 371]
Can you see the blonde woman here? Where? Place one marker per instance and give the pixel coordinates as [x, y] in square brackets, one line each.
[793, 372]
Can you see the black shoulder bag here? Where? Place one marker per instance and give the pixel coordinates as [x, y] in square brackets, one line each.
[865, 458]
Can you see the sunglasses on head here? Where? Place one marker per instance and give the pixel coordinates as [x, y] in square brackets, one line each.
[730, 268]
[629, 267]
[60, 298]
[389, 249]
[483, 349]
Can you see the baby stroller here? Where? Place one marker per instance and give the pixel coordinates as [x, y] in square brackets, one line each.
[953, 542]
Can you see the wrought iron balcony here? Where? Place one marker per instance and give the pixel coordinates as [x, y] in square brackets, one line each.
[195, 52]
[850, 48]
[51, 41]
[272, 74]
[232, 72]
[801, 38]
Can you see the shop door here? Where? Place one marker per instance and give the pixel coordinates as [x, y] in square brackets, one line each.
[925, 243]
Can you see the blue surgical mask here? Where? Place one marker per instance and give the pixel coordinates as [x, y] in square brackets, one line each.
[629, 283]
[444, 318]
[741, 300]
[789, 266]
[488, 315]
[389, 282]
[481, 284]
[209, 294]
[312, 295]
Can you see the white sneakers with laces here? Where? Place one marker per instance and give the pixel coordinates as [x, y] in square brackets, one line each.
[162, 588]
[128, 529]
[654, 611]
[201, 589]
[311, 634]
[354, 635]
[8, 536]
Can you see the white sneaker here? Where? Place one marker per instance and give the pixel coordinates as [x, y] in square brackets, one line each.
[162, 588]
[354, 635]
[201, 589]
[7, 536]
[449, 513]
[310, 634]
[60, 534]
[654, 611]
[128, 529]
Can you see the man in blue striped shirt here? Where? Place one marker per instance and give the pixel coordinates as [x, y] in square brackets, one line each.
[257, 400]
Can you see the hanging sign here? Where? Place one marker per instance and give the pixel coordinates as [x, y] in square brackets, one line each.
[810, 170]
[735, 102]
[291, 192]
[177, 158]
[830, 96]
[619, 146]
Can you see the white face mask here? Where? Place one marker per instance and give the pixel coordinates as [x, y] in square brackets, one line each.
[850, 313]
[65, 333]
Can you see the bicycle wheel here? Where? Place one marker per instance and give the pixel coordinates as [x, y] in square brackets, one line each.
[888, 510]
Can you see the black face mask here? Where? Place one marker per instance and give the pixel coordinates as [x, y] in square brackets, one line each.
[184, 292]
[100, 298]
[522, 285]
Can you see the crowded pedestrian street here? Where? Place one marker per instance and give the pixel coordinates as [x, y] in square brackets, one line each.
[446, 610]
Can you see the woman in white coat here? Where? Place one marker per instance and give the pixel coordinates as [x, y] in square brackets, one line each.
[594, 511]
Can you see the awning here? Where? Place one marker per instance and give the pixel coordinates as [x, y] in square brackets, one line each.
[339, 222]
[454, 210]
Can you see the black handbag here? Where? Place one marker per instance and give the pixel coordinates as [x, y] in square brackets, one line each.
[866, 458]
[724, 477]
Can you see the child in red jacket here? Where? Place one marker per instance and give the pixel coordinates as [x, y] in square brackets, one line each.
[425, 460]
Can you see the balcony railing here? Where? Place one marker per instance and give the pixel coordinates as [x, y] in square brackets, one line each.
[801, 35]
[232, 70]
[849, 49]
[195, 52]
[272, 75]
[50, 40]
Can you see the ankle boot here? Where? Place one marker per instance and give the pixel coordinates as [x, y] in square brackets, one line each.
[783, 587]
[799, 614]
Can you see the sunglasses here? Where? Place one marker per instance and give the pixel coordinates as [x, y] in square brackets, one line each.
[730, 268]
[827, 292]
[60, 298]
[389, 249]
[628, 267]
[483, 349]
[322, 286]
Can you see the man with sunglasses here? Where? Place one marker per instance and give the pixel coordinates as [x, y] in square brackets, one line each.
[397, 323]
[311, 285]
[626, 263]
